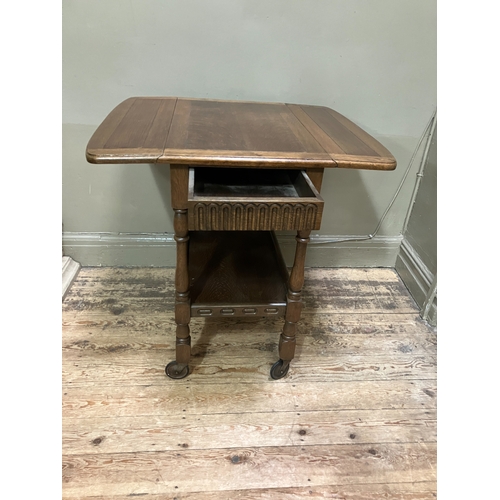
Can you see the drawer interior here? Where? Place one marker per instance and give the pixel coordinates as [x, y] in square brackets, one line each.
[207, 182]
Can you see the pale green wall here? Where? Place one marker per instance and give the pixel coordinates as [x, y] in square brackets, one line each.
[373, 61]
[421, 232]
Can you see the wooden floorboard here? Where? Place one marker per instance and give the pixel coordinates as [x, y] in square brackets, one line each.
[389, 491]
[242, 467]
[354, 419]
[202, 431]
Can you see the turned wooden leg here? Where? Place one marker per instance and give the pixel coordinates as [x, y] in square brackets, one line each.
[179, 368]
[293, 307]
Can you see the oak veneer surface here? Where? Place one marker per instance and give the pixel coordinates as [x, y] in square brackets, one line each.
[233, 133]
[355, 418]
[236, 267]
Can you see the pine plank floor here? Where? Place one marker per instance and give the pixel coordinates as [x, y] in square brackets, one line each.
[355, 418]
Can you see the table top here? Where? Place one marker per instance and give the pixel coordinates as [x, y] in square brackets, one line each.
[233, 133]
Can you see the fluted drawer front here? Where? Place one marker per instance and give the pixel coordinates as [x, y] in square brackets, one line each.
[243, 200]
[254, 216]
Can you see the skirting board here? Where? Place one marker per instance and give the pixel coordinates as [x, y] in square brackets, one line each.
[417, 278]
[158, 250]
[70, 270]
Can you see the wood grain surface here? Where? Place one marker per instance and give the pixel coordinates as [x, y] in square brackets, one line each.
[424, 490]
[236, 267]
[355, 419]
[250, 199]
[172, 472]
[233, 133]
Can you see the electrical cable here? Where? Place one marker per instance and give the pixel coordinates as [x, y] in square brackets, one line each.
[428, 130]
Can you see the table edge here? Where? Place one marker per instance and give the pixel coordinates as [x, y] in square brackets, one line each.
[101, 155]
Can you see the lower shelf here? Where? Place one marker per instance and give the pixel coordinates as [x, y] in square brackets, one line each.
[236, 273]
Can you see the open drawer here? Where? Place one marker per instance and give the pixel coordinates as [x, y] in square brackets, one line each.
[245, 199]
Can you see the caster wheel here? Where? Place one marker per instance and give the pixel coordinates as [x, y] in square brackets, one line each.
[277, 370]
[173, 372]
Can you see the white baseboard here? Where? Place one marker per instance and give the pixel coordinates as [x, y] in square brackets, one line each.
[158, 250]
[417, 277]
[121, 249]
[70, 270]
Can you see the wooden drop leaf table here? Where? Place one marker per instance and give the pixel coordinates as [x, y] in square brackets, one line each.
[239, 172]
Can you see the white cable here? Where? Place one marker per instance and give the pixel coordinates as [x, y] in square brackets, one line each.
[428, 128]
